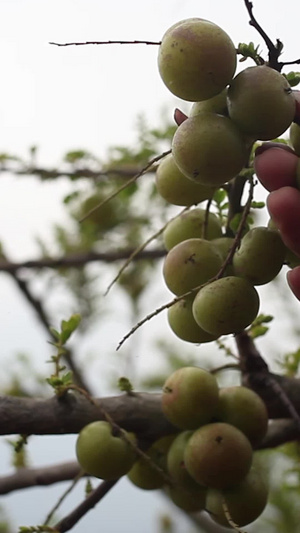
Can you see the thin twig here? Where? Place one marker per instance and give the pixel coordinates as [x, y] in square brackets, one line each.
[129, 182]
[140, 248]
[157, 43]
[63, 497]
[86, 505]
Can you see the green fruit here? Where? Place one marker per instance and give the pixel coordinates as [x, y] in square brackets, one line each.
[261, 103]
[244, 409]
[295, 137]
[227, 305]
[175, 462]
[103, 455]
[218, 456]
[196, 60]
[190, 397]
[245, 502]
[217, 104]
[145, 476]
[191, 225]
[176, 188]
[190, 264]
[191, 500]
[260, 256]
[209, 149]
[183, 324]
[105, 217]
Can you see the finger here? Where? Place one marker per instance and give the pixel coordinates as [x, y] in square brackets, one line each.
[293, 278]
[284, 208]
[276, 167]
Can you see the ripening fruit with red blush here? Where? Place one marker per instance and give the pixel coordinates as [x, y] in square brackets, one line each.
[218, 455]
[190, 397]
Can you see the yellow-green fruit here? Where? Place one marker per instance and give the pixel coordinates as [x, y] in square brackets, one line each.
[192, 224]
[143, 474]
[244, 409]
[196, 59]
[183, 324]
[209, 149]
[103, 218]
[261, 103]
[190, 264]
[218, 455]
[176, 188]
[260, 256]
[103, 455]
[190, 397]
[191, 500]
[295, 137]
[245, 502]
[217, 104]
[227, 305]
[175, 462]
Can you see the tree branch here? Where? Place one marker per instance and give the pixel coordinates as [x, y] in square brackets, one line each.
[23, 478]
[140, 413]
[79, 260]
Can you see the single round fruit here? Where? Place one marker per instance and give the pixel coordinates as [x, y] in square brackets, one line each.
[261, 103]
[227, 305]
[183, 324]
[191, 225]
[245, 502]
[175, 462]
[103, 455]
[218, 455]
[245, 410]
[176, 188]
[143, 474]
[196, 59]
[190, 264]
[217, 104]
[295, 137]
[191, 500]
[209, 149]
[260, 256]
[190, 397]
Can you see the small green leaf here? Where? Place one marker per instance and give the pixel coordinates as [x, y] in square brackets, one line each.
[68, 327]
[257, 205]
[125, 385]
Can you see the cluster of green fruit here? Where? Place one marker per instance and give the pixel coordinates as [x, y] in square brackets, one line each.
[208, 461]
[226, 305]
[197, 62]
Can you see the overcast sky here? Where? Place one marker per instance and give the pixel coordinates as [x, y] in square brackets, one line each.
[88, 97]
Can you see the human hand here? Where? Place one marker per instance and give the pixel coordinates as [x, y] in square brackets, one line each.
[276, 168]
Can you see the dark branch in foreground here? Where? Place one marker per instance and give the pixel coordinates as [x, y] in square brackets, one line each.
[80, 259]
